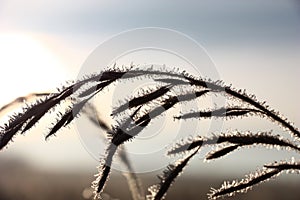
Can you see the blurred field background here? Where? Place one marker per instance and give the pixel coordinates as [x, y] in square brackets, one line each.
[20, 181]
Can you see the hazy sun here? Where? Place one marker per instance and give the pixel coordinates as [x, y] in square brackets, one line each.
[27, 65]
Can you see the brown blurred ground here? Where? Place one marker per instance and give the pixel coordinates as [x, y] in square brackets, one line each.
[20, 182]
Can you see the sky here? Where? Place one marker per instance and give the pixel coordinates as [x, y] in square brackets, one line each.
[254, 45]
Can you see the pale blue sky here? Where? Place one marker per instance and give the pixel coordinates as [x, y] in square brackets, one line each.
[255, 45]
[213, 21]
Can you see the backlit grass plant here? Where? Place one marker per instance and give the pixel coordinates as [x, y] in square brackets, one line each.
[137, 112]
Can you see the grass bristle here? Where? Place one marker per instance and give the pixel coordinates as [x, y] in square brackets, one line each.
[230, 188]
[168, 177]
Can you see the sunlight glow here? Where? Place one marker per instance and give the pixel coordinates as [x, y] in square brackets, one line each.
[27, 65]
